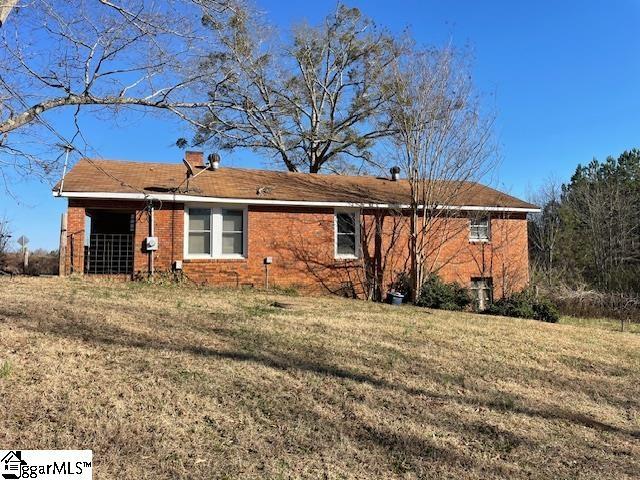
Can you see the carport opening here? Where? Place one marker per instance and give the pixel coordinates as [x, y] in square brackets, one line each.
[109, 242]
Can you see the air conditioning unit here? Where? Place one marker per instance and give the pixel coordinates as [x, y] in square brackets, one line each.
[151, 243]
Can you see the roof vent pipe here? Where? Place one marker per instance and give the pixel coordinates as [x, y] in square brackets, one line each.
[214, 161]
[395, 173]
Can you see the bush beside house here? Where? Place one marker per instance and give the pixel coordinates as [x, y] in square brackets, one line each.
[446, 296]
[525, 305]
[452, 296]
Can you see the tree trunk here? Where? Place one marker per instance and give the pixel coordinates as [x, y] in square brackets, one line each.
[377, 258]
[413, 247]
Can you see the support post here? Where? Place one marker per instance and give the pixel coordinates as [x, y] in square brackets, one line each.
[266, 276]
[72, 255]
[62, 253]
[267, 261]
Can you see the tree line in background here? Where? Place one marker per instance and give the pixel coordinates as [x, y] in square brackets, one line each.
[585, 244]
[12, 260]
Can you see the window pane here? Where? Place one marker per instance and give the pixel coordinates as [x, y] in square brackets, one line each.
[346, 223]
[200, 243]
[479, 229]
[199, 219]
[231, 220]
[479, 283]
[346, 244]
[232, 243]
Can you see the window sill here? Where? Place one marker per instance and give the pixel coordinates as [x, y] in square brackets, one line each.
[347, 257]
[479, 240]
[215, 259]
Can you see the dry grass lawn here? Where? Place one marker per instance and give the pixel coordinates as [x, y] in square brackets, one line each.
[184, 382]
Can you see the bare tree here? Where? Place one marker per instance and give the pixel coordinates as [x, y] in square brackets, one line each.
[381, 233]
[95, 55]
[310, 102]
[544, 227]
[5, 236]
[444, 144]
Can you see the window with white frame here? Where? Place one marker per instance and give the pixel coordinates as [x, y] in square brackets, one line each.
[199, 231]
[480, 229]
[215, 232]
[232, 232]
[347, 238]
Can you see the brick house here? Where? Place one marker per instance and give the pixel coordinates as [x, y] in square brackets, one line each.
[237, 227]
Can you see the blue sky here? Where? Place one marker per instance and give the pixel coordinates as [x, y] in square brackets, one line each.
[564, 78]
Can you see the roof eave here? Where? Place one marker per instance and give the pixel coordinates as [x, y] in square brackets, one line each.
[170, 197]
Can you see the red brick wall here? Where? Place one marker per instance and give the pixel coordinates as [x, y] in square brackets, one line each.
[168, 224]
[301, 242]
[74, 262]
[504, 258]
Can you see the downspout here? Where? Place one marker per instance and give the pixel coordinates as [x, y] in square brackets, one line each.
[173, 230]
[151, 230]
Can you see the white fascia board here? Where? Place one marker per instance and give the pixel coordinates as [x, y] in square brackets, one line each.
[169, 197]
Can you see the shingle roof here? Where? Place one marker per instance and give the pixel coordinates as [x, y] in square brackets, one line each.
[110, 176]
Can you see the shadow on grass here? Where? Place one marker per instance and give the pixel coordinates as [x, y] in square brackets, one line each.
[410, 453]
[94, 332]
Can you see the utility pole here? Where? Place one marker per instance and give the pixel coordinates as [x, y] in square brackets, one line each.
[5, 9]
[23, 242]
[25, 260]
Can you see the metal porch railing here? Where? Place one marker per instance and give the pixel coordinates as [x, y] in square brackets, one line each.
[109, 254]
